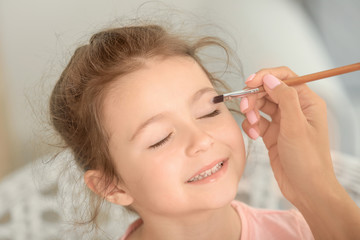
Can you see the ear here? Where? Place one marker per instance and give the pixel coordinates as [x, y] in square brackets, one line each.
[114, 192]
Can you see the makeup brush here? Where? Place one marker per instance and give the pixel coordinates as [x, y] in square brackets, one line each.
[291, 82]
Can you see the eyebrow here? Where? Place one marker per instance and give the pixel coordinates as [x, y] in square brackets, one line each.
[201, 92]
[156, 117]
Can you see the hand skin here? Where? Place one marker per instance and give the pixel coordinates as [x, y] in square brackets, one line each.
[297, 140]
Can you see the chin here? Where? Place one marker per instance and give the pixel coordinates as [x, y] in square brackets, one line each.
[223, 196]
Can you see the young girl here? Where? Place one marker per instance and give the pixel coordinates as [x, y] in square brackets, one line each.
[135, 107]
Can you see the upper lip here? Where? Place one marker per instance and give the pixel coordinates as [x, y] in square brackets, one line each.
[207, 167]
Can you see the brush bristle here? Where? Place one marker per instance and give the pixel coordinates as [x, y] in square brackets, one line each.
[218, 99]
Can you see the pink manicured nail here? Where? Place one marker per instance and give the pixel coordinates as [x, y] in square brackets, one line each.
[244, 104]
[271, 81]
[253, 133]
[251, 77]
[251, 116]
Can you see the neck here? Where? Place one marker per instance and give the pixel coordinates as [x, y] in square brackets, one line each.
[222, 223]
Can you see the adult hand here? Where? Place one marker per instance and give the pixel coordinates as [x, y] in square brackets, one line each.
[295, 133]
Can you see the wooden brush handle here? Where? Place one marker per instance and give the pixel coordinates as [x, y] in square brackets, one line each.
[323, 74]
[320, 75]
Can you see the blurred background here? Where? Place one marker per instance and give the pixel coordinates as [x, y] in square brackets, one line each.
[38, 36]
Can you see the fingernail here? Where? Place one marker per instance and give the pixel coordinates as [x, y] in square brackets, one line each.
[253, 133]
[251, 77]
[271, 81]
[251, 116]
[244, 104]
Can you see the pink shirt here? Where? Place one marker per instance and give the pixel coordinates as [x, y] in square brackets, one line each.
[262, 224]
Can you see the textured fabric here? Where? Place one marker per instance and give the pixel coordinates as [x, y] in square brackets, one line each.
[271, 224]
[262, 224]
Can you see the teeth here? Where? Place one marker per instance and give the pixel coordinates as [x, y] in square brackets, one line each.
[207, 173]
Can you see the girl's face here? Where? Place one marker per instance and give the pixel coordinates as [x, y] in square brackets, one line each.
[166, 136]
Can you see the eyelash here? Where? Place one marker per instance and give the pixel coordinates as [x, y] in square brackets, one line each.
[162, 142]
[212, 114]
[167, 138]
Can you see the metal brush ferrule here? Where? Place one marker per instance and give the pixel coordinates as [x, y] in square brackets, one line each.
[242, 93]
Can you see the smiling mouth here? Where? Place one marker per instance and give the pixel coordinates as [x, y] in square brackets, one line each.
[207, 173]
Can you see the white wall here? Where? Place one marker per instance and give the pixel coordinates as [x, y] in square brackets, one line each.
[36, 38]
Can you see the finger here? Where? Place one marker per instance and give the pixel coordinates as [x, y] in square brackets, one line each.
[266, 106]
[253, 116]
[252, 131]
[262, 128]
[256, 79]
[244, 105]
[269, 131]
[312, 105]
[282, 72]
[287, 99]
[249, 102]
[263, 104]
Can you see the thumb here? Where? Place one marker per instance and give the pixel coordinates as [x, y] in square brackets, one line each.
[286, 97]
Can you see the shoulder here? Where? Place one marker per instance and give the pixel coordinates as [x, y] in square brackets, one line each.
[271, 224]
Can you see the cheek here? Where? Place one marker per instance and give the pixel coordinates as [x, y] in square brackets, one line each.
[231, 132]
[236, 137]
[156, 184]
[152, 173]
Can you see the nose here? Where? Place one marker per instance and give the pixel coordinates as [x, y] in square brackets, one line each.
[199, 140]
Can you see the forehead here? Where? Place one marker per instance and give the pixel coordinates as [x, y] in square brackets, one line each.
[159, 75]
[162, 84]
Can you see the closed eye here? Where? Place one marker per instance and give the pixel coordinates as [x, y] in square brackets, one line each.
[162, 142]
[167, 138]
[212, 114]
